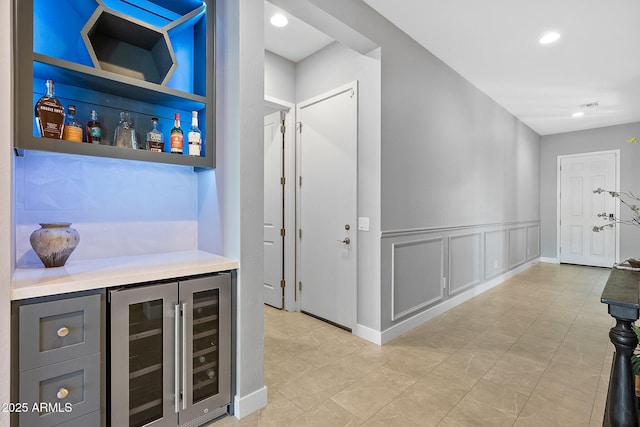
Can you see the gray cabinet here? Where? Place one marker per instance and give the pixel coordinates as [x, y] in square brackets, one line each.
[59, 360]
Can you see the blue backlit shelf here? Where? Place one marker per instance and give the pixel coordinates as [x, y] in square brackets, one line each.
[152, 58]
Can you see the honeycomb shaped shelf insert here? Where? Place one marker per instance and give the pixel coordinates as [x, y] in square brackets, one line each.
[126, 46]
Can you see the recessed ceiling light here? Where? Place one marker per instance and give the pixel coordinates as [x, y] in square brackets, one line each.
[578, 114]
[279, 20]
[549, 37]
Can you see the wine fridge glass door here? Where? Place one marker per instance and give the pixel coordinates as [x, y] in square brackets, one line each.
[206, 372]
[141, 366]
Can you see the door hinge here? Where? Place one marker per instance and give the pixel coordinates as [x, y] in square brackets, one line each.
[300, 233]
[300, 180]
[444, 283]
[299, 286]
[283, 180]
[282, 283]
[282, 129]
[283, 232]
[299, 127]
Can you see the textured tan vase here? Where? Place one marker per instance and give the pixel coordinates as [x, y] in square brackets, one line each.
[54, 242]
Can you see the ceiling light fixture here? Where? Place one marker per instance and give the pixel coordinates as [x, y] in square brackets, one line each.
[578, 114]
[549, 37]
[279, 20]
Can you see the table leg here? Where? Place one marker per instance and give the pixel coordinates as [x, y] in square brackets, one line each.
[621, 400]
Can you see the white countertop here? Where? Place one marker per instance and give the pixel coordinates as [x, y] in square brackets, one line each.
[107, 272]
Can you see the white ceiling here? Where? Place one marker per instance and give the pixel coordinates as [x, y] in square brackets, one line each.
[494, 45]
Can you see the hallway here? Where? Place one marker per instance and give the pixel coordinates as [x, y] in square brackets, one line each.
[533, 351]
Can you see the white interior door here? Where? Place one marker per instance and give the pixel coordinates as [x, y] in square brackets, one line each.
[273, 209]
[579, 209]
[327, 202]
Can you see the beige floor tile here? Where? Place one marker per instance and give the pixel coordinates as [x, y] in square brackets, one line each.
[549, 408]
[429, 400]
[486, 404]
[533, 351]
[387, 417]
[566, 377]
[325, 414]
[517, 373]
[373, 392]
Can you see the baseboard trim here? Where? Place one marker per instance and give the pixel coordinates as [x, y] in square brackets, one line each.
[368, 334]
[252, 402]
[549, 260]
[424, 316]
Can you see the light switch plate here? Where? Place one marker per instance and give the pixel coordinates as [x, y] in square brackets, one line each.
[363, 223]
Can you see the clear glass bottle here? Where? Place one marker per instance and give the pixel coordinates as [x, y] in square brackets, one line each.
[194, 136]
[49, 114]
[155, 138]
[94, 129]
[72, 127]
[125, 134]
[177, 136]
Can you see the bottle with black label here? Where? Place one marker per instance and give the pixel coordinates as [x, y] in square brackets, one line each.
[49, 114]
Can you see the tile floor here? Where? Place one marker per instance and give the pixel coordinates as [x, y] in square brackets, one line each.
[533, 351]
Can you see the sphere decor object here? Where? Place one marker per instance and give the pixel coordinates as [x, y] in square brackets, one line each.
[54, 242]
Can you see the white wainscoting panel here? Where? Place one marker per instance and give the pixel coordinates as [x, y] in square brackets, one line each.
[533, 241]
[417, 275]
[517, 246]
[465, 261]
[496, 244]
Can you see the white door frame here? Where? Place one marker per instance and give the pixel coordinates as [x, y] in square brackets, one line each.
[290, 303]
[558, 210]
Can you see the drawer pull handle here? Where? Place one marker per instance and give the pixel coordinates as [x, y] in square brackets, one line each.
[62, 393]
[63, 332]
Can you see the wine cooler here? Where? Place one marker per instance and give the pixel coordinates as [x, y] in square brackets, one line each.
[170, 352]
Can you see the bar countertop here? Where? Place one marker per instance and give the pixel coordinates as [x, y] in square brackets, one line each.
[84, 275]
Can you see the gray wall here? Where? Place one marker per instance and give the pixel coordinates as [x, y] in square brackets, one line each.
[601, 139]
[279, 77]
[239, 180]
[6, 200]
[451, 159]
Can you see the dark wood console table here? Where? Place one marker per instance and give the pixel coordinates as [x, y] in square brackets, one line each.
[622, 295]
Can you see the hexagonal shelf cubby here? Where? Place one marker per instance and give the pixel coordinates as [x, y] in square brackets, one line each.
[129, 47]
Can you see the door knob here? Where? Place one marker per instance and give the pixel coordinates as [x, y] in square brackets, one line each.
[346, 241]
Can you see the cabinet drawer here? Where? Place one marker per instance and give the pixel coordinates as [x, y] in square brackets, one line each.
[54, 331]
[60, 392]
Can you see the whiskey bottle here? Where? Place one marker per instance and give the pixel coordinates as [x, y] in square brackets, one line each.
[194, 136]
[155, 138]
[49, 114]
[177, 136]
[72, 127]
[94, 129]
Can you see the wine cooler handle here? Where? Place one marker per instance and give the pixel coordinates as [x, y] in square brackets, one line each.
[176, 349]
[184, 356]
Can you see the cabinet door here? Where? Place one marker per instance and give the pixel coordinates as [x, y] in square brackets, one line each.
[206, 335]
[143, 385]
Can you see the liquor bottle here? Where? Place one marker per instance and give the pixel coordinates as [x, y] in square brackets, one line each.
[211, 373]
[155, 138]
[194, 136]
[125, 134]
[177, 136]
[94, 129]
[49, 114]
[72, 127]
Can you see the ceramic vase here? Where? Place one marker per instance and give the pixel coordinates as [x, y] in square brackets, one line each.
[54, 242]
